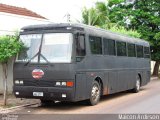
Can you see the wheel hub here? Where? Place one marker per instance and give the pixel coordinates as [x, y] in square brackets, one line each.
[95, 92]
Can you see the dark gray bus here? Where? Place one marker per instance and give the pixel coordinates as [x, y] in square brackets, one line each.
[74, 62]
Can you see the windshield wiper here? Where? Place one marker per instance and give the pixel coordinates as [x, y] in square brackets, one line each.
[39, 55]
[38, 61]
[31, 59]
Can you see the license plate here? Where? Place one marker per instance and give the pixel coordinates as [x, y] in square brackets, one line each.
[38, 94]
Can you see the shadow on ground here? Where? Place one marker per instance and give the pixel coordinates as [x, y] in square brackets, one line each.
[63, 106]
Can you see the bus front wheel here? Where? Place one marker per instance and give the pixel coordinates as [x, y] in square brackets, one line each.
[95, 93]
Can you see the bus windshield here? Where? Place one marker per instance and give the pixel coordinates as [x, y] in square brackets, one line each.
[55, 47]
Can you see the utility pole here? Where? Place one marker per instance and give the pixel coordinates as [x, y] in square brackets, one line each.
[68, 16]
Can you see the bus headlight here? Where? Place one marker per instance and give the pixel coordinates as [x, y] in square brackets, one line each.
[21, 82]
[63, 83]
[16, 82]
[58, 83]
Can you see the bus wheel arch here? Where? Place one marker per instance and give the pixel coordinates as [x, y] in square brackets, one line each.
[99, 80]
[140, 77]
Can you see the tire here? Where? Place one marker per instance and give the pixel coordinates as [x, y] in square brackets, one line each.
[136, 89]
[95, 93]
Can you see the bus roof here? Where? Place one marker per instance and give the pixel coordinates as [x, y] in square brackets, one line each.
[91, 30]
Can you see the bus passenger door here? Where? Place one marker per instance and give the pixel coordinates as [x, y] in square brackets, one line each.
[80, 79]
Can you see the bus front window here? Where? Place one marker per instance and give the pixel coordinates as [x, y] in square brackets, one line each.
[57, 47]
[31, 47]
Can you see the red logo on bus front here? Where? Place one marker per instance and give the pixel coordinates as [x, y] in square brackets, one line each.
[37, 73]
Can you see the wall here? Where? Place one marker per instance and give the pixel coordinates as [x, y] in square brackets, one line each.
[10, 77]
[152, 66]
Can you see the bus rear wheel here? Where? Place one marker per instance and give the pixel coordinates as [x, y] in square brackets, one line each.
[95, 93]
[136, 89]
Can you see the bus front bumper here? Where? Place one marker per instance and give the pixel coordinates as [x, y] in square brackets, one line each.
[44, 93]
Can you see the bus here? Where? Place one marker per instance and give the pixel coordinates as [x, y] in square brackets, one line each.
[76, 62]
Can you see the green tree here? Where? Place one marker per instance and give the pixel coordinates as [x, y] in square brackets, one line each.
[9, 47]
[123, 30]
[143, 16]
[97, 15]
[90, 16]
[100, 16]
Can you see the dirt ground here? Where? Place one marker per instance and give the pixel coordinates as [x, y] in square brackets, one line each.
[12, 101]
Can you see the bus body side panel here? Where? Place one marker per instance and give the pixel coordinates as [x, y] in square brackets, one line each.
[119, 72]
[98, 76]
[147, 72]
[84, 80]
[80, 87]
[113, 80]
[106, 83]
[87, 71]
[143, 69]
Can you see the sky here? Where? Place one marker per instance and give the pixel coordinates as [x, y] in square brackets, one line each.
[54, 10]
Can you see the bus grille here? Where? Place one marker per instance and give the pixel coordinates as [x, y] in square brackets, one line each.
[39, 83]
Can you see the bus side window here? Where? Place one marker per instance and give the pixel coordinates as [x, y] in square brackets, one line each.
[95, 45]
[131, 50]
[146, 52]
[121, 49]
[109, 46]
[139, 49]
